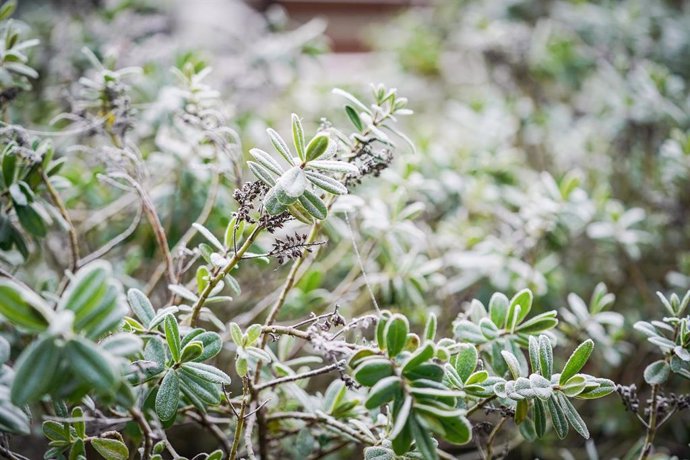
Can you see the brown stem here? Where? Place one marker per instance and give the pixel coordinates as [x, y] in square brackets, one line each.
[492, 438]
[651, 425]
[189, 234]
[73, 239]
[146, 431]
[329, 422]
[292, 378]
[240, 421]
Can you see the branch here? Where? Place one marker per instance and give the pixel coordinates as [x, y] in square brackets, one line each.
[292, 378]
[73, 240]
[329, 422]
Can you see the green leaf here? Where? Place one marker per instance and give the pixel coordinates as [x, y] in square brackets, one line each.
[576, 361]
[317, 146]
[313, 205]
[498, 308]
[110, 449]
[31, 220]
[35, 370]
[266, 161]
[326, 183]
[421, 355]
[540, 323]
[212, 345]
[430, 327]
[334, 166]
[573, 417]
[192, 351]
[262, 173]
[545, 356]
[172, 336]
[423, 440]
[560, 424]
[382, 392]
[168, 396]
[574, 386]
[395, 333]
[79, 422]
[401, 416]
[533, 348]
[141, 306]
[55, 431]
[280, 145]
[13, 419]
[17, 305]
[298, 136]
[512, 362]
[657, 372]
[372, 370]
[90, 364]
[520, 411]
[458, 429]
[378, 453]
[465, 361]
[354, 117]
[253, 334]
[291, 185]
[236, 334]
[205, 391]
[523, 300]
[86, 289]
[207, 372]
[605, 387]
[539, 418]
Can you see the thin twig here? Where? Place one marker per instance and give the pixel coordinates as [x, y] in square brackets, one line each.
[110, 245]
[329, 422]
[73, 239]
[292, 378]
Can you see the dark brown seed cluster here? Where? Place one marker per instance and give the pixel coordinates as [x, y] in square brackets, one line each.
[292, 247]
[246, 196]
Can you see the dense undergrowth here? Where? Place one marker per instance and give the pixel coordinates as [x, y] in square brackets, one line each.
[208, 252]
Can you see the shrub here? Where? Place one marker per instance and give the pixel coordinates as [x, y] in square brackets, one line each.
[331, 292]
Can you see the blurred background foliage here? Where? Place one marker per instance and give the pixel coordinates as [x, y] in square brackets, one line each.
[551, 152]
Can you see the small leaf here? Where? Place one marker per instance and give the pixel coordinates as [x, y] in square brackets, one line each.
[354, 117]
[523, 300]
[498, 308]
[560, 423]
[573, 417]
[168, 396]
[16, 304]
[141, 306]
[317, 147]
[382, 392]
[172, 336]
[279, 144]
[207, 372]
[545, 356]
[576, 361]
[539, 418]
[430, 327]
[110, 449]
[298, 136]
[90, 364]
[423, 441]
[657, 372]
[512, 362]
[35, 370]
[372, 370]
[313, 205]
[465, 362]
[326, 183]
[396, 332]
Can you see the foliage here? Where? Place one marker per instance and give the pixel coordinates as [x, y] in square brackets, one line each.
[433, 303]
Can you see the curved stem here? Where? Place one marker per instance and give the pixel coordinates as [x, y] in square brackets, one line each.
[492, 438]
